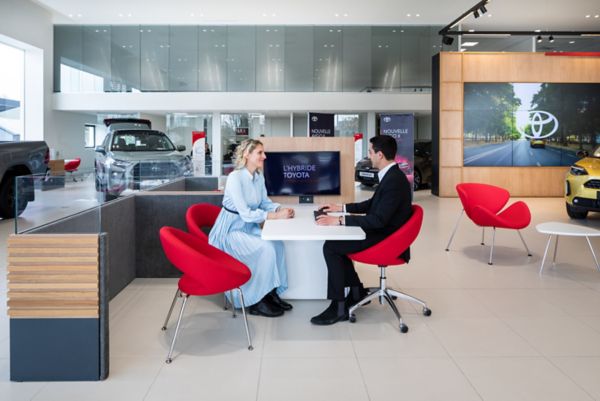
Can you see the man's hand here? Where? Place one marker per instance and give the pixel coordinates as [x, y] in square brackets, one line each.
[324, 220]
[331, 207]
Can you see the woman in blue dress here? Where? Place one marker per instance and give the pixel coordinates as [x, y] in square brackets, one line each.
[237, 232]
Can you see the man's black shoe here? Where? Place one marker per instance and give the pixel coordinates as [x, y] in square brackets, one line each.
[274, 299]
[334, 313]
[264, 308]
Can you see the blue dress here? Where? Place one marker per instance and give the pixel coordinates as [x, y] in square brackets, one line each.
[239, 235]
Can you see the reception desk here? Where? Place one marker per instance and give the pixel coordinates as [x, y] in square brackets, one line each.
[303, 240]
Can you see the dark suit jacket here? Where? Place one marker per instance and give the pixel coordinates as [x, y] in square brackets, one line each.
[387, 210]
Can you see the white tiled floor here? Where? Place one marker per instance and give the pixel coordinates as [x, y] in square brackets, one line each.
[496, 333]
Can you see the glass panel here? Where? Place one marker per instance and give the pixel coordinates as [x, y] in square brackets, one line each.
[125, 58]
[299, 56]
[68, 49]
[300, 124]
[234, 129]
[89, 136]
[183, 57]
[503, 44]
[12, 96]
[212, 58]
[385, 58]
[180, 128]
[154, 58]
[269, 58]
[241, 68]
[96, 55]
[328, 59]
[415, 70]
[357, 59]
[569, 44]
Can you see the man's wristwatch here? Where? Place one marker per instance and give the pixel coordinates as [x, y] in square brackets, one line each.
[340, 220]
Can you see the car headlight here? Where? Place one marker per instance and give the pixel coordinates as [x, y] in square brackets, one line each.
[578, 170]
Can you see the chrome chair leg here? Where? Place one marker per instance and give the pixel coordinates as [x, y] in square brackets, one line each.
[401, 325]
[169, 359]
[492, 248]
[232, 304]
[164, 326]
[482, 235]
[250, 347]
[454, 231]
[375, 294]
[407, 297]
[555, 249]
[525, 244]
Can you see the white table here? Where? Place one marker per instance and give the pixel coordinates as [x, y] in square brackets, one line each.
[303, 240]
[572, 230]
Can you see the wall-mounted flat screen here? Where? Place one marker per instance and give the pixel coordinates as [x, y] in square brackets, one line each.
[529, 124]
[303, 173]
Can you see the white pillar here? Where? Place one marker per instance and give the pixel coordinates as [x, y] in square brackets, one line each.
[371, 125]
[291, 124]
[217, 156]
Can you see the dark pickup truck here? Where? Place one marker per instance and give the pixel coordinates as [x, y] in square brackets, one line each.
[16, 159]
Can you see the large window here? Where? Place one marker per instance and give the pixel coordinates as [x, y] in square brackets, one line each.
[12, 83]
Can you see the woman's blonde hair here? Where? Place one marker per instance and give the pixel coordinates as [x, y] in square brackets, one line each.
[246, 147]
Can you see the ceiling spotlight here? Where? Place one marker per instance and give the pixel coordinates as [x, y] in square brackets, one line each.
[447, 40]
[551, 39]
[483, 9]
[539, 39]
[476, 13]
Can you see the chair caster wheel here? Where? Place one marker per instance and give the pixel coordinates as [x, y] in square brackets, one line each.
[225, 308]
[394, 297]
[529, 255]
[447, 250]
[169, 360]
[482, 243]
[403, 328]
[426, 311]
[250, 348]
[490, 263]
[164, 328]
[352, 318]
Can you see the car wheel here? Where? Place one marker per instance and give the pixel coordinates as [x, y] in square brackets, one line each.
[416, 180]
[8, 198]
[576, 213]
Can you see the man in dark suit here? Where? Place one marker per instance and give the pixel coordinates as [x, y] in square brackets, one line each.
[384, 213]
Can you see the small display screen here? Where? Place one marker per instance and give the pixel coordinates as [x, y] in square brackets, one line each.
[303, 173]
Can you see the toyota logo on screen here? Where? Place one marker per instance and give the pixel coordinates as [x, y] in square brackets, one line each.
[541, 124]
[387, 119]
[314, 118]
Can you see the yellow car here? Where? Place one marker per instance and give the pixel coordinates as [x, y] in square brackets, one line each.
[582, 186]
[537, 143]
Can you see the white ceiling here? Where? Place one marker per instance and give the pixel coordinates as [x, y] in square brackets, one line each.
[505, 14]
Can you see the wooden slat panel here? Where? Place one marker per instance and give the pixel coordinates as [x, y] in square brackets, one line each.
[451, 67]
[451, 125]
[449, 177]
[53, 313]
[451, 153]
[451, 96]
[53, 276]
[521, 181]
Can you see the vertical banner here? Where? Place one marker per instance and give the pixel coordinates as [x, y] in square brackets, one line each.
[358, 147]
[402, 128]
[198, 152]
[321, 124]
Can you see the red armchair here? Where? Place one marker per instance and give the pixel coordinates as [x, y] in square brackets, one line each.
[484, 205]
[199, 216]
[387, 253]
[206, 271]
[71, 165]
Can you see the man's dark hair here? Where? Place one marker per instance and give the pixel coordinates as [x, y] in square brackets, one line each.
[386, 145]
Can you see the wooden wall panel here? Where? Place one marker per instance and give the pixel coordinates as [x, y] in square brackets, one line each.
[451, 125]
[501, 67]
[345, 145]
[452, 67]
[521, 181]
[53, 275]
[449, 177]
[451, 153]
[451, 96]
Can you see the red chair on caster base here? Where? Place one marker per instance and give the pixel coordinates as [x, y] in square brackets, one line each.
[386, 253]
[206, 271]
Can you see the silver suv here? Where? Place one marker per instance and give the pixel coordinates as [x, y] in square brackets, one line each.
[133, 156]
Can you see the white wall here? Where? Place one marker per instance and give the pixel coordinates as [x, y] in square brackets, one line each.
[159, 122]
[68, 139]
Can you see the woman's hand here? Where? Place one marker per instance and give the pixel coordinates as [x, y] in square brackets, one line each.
[281, 213]
[331, 207]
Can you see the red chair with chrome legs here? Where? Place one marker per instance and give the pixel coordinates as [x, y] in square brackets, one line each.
[484, 205]
[71, 166]
[388, 253]
[206, 271]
